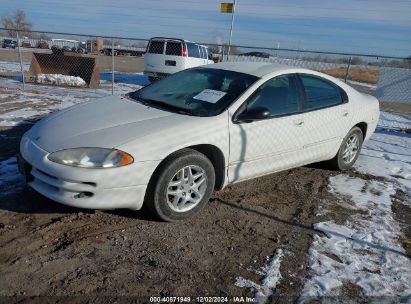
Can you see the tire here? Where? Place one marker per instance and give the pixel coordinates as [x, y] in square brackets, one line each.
[152, 78]
[342, 161]
[172, 197]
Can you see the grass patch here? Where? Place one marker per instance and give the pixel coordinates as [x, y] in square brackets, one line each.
[355, 74]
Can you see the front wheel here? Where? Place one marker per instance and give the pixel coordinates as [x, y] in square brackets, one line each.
[349, 150]
[183, 187]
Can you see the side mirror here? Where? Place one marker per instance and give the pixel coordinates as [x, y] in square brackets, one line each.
[253, 114]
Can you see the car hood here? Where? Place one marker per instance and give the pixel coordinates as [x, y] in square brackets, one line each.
[106, 123]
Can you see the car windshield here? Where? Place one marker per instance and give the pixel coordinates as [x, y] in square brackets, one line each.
[198, 91]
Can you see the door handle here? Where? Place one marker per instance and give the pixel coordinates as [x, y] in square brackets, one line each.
[345, 113]
[299, 122]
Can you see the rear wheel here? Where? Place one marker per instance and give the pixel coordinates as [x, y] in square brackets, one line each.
[183, 187]
[349, 150]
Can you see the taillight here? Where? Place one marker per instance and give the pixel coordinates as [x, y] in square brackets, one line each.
[184, 51]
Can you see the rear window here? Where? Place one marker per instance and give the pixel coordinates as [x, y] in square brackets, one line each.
[193, 50]
[173, 48]
[156, 47]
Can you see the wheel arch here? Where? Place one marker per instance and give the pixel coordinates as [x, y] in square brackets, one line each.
[216, 156]
[212, 152]
[363, 127]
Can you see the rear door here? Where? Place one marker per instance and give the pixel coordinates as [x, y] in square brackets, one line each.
[173, 59]
[326, 118]
[154, 57]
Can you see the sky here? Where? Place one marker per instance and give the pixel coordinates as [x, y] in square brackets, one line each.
[381, 27]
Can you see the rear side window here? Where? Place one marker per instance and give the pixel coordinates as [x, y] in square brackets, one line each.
[174, 48]
[204, 52]
[156, 47]
[193, 50]
[320, 93]
[278, 95]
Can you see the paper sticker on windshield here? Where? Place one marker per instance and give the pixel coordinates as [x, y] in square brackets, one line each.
[210, 95]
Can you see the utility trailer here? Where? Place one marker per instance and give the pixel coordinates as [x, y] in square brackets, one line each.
[123, 51]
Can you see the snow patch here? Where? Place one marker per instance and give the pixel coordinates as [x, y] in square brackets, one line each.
[393, 121]
[272, 277]
[58, 79]
[20, 107]
[364, 251]
[388, 154]
[363, 84]
[12, 66]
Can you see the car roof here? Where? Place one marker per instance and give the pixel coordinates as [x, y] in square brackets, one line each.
[258, 69]
[177, 39]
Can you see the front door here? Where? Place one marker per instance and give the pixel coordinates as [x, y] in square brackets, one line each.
[273, 144]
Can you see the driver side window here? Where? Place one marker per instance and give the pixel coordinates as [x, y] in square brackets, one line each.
[278, 95]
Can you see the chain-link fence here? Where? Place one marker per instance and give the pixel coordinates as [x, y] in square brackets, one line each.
[97, 66]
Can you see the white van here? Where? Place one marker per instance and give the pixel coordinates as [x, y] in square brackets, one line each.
[165, 56]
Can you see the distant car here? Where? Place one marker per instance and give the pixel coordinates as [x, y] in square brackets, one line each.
[9, 43]
[256, 54]
[165, 56]
[170, 144]
[67, 48]
[26, 44]
[42, 45]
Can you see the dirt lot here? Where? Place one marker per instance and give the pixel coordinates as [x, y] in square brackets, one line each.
[49, 249]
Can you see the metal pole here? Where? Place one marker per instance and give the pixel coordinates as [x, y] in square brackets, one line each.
[348, 69]
[21, 61]
[112, 66]
[231, 31]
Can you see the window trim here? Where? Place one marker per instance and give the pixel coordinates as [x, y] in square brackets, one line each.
[343, 94]
[156, 40]
[173, 41]
[243, 106]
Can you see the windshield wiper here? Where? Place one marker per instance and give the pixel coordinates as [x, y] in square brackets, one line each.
[165, 105]
[161, 104]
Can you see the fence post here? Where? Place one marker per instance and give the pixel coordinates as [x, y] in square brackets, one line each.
[348, 69]
[112, 66]
[21, 61]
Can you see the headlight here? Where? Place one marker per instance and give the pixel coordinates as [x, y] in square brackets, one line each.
[91, 157]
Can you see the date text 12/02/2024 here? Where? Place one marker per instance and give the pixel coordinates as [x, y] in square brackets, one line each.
[202, 299]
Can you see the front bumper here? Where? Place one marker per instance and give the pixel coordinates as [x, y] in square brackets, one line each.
[109, 188]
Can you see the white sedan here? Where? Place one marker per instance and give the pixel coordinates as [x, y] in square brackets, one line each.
[171, 144]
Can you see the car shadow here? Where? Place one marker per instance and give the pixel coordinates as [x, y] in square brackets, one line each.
[309, 229]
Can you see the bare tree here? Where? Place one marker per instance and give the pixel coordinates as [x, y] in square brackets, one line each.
[17, 21]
